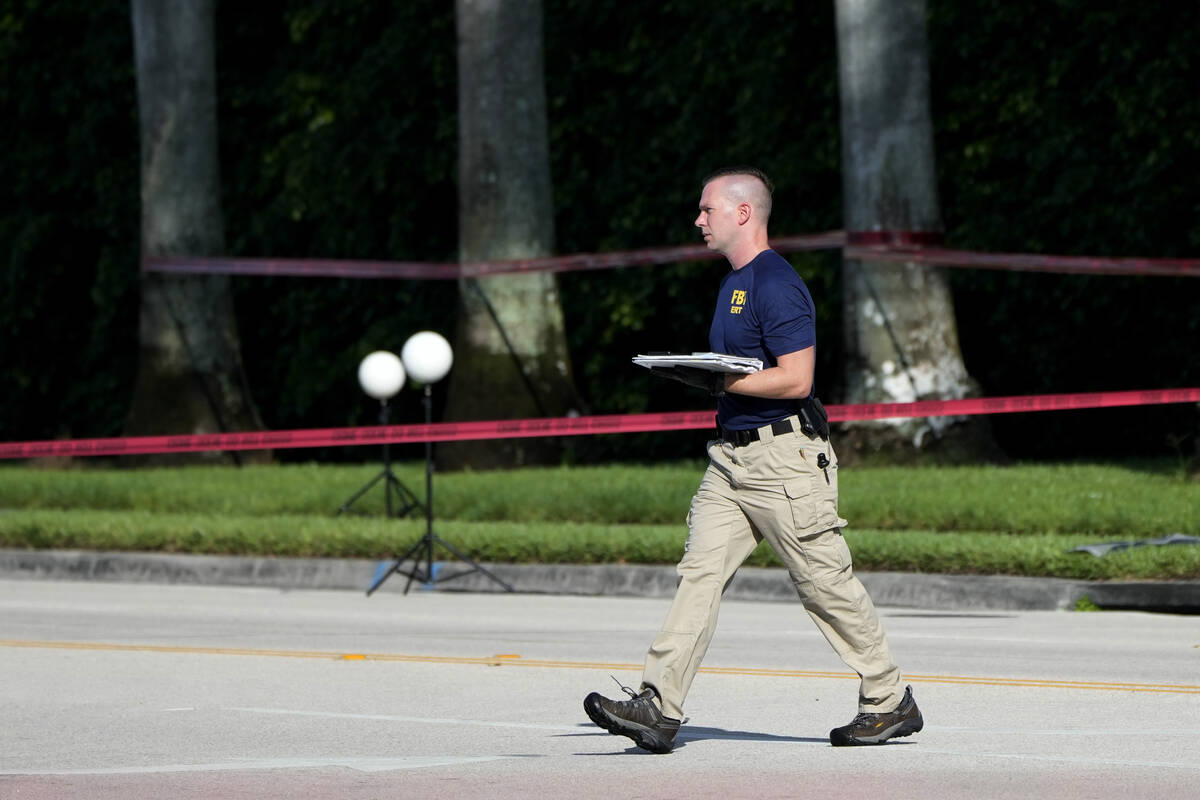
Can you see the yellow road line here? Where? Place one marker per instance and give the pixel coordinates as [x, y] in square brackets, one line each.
[514, 660]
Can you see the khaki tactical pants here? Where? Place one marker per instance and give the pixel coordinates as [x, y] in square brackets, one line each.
[770, 489]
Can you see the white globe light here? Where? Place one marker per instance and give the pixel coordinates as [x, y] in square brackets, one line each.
[427, 356]
[381, 374]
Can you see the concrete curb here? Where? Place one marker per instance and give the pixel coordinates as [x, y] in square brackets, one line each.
[905, 590]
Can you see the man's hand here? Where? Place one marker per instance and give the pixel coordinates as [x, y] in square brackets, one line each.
[711, 382]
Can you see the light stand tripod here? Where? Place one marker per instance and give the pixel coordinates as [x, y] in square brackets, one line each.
[423, 549]
[406, 500]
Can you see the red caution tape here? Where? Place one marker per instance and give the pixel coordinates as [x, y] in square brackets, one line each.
[1025, 262]
[894, 238]
[1009, 405]
[302, 267]
[424, 270]
[565, 426]
[895, 246]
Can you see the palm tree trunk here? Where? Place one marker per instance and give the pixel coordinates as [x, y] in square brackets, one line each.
[511, 358]
[190, 377]
[901, 337]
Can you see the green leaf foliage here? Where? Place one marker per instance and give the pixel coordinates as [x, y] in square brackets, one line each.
[1070, 127]
[1061, 127]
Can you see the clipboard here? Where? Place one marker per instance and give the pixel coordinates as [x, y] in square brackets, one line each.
[713, 362]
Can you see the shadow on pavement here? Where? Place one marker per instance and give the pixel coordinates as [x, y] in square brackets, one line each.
[690, 733]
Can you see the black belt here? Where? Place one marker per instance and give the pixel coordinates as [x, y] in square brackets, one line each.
[743, 438]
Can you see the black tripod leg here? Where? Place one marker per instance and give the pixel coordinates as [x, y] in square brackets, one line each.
[407, 500]
[392, 570]
[416, 570]
[475, 565]
[346, 505]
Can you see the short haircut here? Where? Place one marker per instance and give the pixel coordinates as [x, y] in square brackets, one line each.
[763, 201]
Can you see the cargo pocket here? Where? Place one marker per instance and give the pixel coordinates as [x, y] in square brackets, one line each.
[800, 497]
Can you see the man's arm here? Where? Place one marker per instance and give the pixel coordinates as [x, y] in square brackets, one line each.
[791, 377]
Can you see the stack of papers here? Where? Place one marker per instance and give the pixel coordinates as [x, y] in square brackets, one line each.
[714, 362]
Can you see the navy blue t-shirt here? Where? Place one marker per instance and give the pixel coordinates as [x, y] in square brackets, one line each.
[763, 311]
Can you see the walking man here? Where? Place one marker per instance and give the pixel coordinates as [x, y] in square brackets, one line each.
[772, 475]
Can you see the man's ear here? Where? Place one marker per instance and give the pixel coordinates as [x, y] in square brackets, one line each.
[744, 212]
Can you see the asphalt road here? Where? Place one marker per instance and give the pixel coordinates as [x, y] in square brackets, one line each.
[118, 690]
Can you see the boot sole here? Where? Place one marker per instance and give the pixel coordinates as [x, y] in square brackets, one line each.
[642, 736]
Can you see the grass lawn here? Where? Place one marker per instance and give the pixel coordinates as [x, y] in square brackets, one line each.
[1014, 520]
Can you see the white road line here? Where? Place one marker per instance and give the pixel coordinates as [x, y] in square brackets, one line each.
[1106, 762]
[401, 718]
[361, 764]
[1080, 732]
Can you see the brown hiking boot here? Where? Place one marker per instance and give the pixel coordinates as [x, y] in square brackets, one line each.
[638, 718]
[878, 728]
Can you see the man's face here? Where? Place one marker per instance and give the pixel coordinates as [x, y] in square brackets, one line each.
[717, 220]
